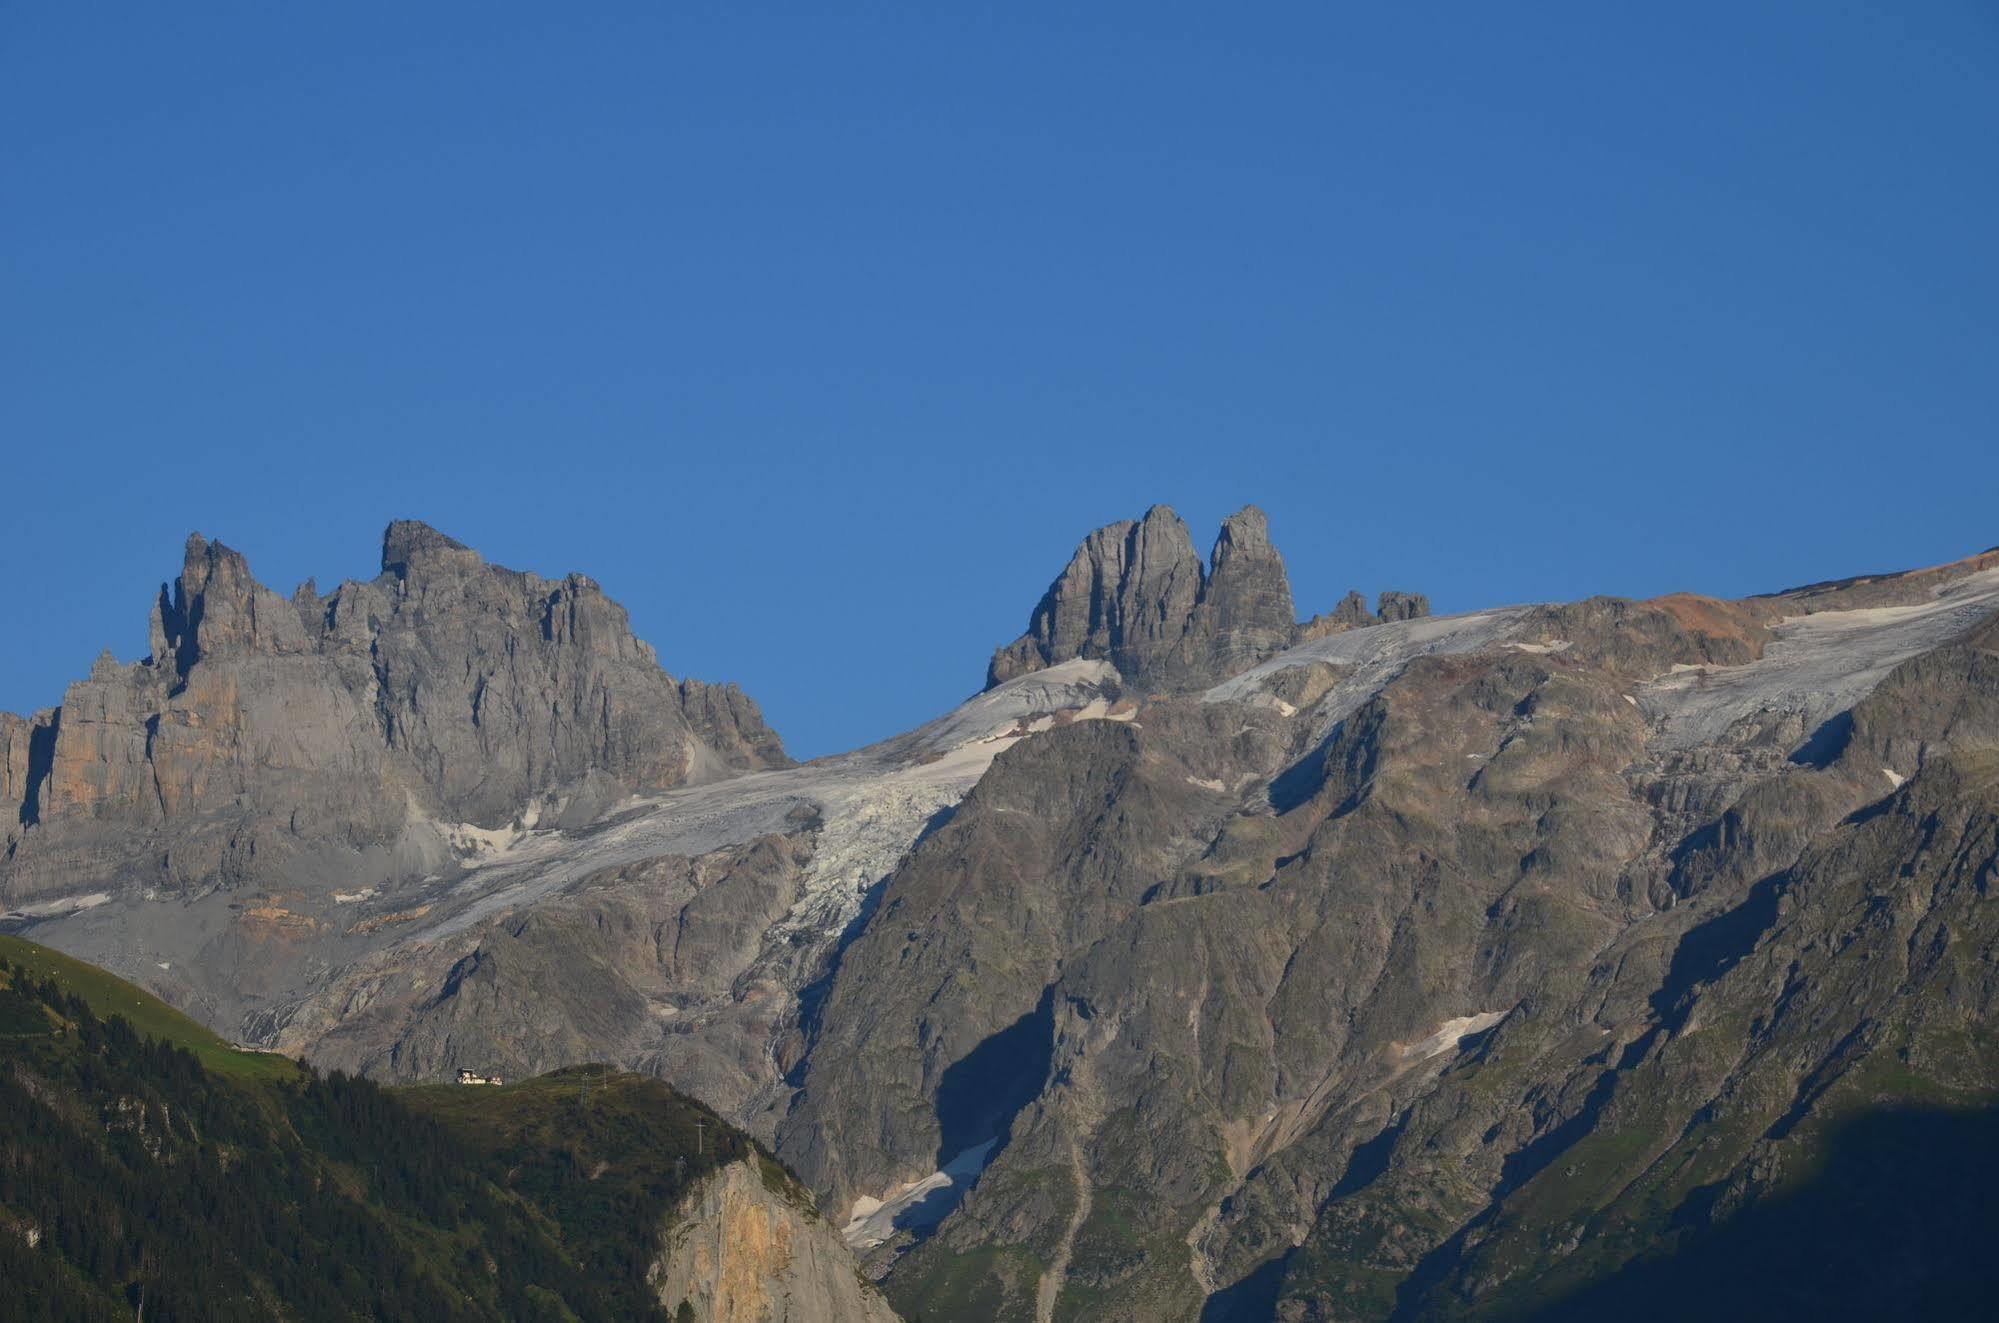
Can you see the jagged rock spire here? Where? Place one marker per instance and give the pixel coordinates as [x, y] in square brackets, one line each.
[217, 606]
[267, 729]
[1135, 594]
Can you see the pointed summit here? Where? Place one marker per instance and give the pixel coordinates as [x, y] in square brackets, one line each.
[1245, 613]
[408, 541]
[1137, 596]
[217, 606]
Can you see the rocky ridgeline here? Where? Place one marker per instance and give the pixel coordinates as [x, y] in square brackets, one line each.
[1135, 594]
[1352, 613]
[1367, 968]
[267, 738]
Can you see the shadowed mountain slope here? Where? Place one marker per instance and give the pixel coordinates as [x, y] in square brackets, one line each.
[1213, 966]
[150, 1169]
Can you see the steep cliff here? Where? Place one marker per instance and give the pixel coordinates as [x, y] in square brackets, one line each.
[151, 1169]
[1432, 968]
[350, 737]
[1429, 967]
[747, 1247]
[1137, 596]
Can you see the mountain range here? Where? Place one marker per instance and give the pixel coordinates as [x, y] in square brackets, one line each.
[1538, 961]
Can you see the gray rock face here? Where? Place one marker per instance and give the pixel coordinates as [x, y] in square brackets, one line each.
[1136, 595]
[271, 740]
[747, 1248]
[1431, 967]
[686, 937]
[1394, 605]
[1244, 613]
[729, 724]
[1352, 613]
[625, 967]
[1320, 1004]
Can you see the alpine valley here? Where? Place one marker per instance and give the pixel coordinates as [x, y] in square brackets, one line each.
[1567, 960]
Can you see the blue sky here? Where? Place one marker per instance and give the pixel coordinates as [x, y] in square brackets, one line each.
[820, 334]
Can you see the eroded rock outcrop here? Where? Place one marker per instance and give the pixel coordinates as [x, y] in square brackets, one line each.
[1431, 971]
[345, 735]
[1426, 968]
[747, 1247]
[1135, 594]
[1352, 613]
[1401, 606]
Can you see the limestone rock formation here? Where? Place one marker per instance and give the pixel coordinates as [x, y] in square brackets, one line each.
[1244, 613]
[1135, 594]
[1429, 974]
[1352, 613]
[1401, 606]
[267, 739]
[747, 1247]
[729, 724]
[1425, 967]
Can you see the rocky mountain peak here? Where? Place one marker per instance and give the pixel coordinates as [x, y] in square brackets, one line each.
[1137, 595]
[1245, 613]
[1394, 605]
[217, 606]
[407, 543]
[1352, 613]
[1247, 530]
[267, 734]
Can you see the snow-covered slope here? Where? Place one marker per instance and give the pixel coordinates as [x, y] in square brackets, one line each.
[1816, 666]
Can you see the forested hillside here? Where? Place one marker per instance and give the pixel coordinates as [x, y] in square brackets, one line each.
[155, 1169]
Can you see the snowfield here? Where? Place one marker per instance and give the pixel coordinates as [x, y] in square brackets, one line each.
[1373, 655]
[917, 1204]
[1817, 666]
[871, 805]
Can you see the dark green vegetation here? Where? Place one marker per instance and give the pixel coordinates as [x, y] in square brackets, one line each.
[600, 1152]
[1896, 1223]
[144, 1160]
[149, 1017]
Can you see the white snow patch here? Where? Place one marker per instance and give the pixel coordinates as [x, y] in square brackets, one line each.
[353, 897]
[1070, 685]
[919, 1203]
[1895, 778]
[1815, 666]
[871, 805]
[1372, 656]
[50, 909]
[1449, 1034]
[1206, 783]
[1543, 649]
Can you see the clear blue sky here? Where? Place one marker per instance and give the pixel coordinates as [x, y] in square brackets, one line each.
[820, 334]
